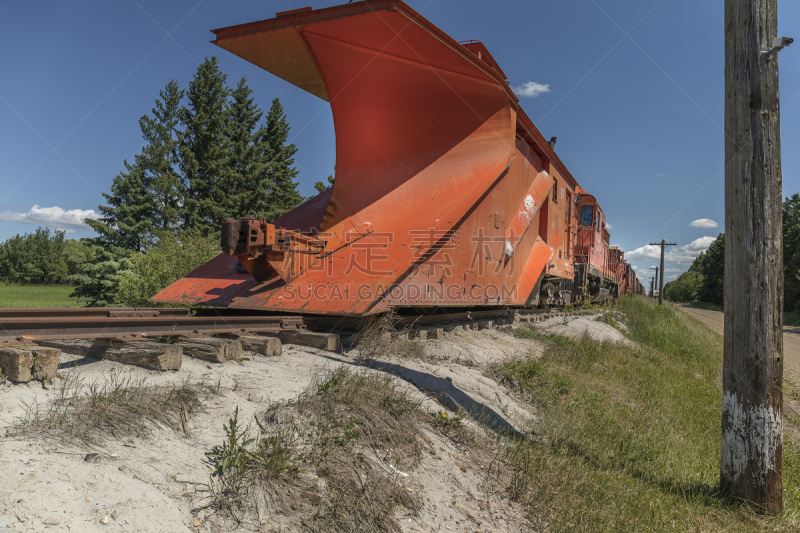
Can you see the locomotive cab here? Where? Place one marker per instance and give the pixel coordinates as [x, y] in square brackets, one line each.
[596, 263]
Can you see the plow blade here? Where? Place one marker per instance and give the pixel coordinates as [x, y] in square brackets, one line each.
[436, 198]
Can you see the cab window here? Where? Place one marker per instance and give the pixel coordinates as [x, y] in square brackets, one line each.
[587, 212]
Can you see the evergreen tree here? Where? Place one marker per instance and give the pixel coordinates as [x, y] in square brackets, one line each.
[249, 156]
[321, 187]
[99, 275]
[205, 149]
[159, 157]
[283, 194]
[127, 220]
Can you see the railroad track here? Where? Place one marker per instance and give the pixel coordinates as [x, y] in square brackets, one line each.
[32, 340]
[20, 327]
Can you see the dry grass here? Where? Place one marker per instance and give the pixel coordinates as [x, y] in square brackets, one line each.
[379, 336]
[334, 454]
[121, 407]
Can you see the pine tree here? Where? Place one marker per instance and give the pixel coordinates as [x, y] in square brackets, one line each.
[322, 187]
[159, 157]
[127, 220]
[283, 195]
[99, 275]
[249, 164]
[204, 151]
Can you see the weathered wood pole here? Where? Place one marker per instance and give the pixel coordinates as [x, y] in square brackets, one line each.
[752, 405]
[661, 279]
[655, 283]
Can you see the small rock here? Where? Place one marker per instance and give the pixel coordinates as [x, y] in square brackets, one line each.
[409, 489]
[463, 468]
[196, 523]
[104, 520]
[482, 506]
[313, 498]
[88, 499]
[92, 457]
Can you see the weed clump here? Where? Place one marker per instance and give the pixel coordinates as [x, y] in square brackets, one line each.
[121, 407]
[252, 466]
[342, 446]
[380, 336]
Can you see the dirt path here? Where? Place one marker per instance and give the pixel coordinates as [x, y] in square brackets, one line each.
[791, 346]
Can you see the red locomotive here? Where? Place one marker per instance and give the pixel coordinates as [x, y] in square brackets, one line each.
[445, 194]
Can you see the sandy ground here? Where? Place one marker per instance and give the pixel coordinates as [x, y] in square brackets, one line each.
[151, 484]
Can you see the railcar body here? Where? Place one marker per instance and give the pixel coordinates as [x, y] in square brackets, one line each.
[445, 194]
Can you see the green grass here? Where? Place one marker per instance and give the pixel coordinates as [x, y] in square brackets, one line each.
[628, 438]
[706, 305]
[791, 318]
[37, 296]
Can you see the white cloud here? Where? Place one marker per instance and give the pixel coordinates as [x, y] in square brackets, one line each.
[660, 176]
[683, 255]
[706, 223]
[609, 226]
[673, 270]
[648, 251]
[54, 217]
[531, 89]
[699, 245]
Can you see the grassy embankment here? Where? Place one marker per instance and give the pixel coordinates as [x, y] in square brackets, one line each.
[628, 438]
[37, 296]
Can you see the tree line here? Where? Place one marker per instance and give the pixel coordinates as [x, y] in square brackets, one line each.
[705, 279]
[41, 258]
[210, 153]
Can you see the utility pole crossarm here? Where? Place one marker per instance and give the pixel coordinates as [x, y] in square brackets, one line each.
[662, 244]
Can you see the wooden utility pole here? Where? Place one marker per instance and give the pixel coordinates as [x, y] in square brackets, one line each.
[651, 287]
[662, 244]
[656, 280]
[752, 380]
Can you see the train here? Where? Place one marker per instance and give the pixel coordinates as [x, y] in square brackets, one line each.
[445, 193]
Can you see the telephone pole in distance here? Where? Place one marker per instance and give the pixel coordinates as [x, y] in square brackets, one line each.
[662, 244]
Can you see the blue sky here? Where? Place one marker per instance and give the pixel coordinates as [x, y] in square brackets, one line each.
[634, 94]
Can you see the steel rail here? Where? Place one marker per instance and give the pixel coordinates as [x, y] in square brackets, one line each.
[25, 326]
[16, 330]
[52, 312]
